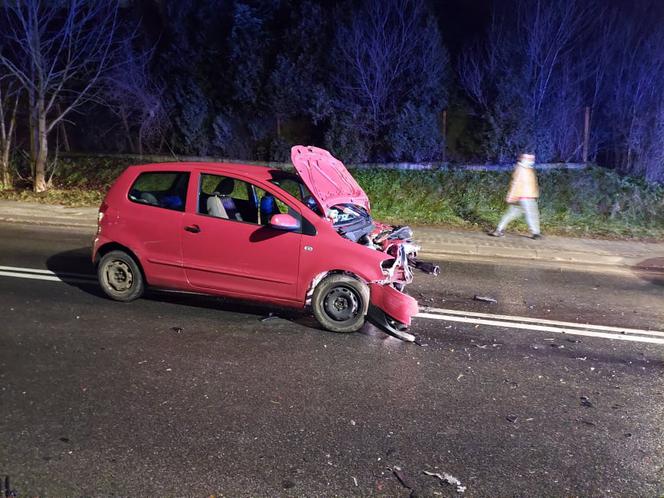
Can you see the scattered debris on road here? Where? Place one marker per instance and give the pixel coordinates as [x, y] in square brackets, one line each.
[401, 476]
[177, 330]
[485, 299]
[8, 491]
[270, 316]
[448, 479]
[585, 401]
[512, 418]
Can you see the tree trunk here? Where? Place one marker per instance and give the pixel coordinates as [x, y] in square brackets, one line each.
[6, 135]
[125, 123]
[32, 129]
[39, 184]
[63, 130]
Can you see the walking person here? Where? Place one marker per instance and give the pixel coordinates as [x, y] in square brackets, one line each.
[522, 198]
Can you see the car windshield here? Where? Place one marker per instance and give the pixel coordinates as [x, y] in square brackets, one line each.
[345, 214]
[296, 187]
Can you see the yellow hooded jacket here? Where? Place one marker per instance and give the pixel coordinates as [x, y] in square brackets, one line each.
[524, 184]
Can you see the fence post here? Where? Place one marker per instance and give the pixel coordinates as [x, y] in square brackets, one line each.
[586, 136]
[445, 135]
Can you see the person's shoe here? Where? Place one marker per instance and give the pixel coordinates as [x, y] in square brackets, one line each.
[497, 233]
[536, 236]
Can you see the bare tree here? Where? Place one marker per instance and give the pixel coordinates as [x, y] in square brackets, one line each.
[9, 99]
[137, 98]
[530, 75]
[634, 106]
[58, 51]
[388, 53]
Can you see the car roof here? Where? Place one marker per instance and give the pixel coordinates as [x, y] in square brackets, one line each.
[247, 170]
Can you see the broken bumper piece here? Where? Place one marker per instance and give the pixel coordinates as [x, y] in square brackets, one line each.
[391, 311]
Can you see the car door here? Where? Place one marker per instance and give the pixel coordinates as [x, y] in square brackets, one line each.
[234, 251]
[151, 225]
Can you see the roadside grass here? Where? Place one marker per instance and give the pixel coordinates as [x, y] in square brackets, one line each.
[594, 202]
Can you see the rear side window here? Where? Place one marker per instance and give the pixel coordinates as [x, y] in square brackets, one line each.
[161, 189]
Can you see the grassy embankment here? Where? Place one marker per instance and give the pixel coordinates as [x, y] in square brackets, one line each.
[592, 202]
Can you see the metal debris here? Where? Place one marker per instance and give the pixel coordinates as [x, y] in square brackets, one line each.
[8, 491]
[512, 418]
[585, 401]
[403, 479]
[177, 330]
[448, 479]
[485, 299]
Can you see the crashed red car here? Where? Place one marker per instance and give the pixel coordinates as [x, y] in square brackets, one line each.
[257, 233]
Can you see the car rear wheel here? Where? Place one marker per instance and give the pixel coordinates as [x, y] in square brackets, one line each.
[120, 277]
[340, 303]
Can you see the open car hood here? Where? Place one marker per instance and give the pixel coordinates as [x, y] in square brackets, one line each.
[327, 178]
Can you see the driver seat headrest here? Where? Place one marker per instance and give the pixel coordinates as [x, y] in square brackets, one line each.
[225, 187]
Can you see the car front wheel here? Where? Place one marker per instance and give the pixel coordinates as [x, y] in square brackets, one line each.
[120, 277]
[340, 303]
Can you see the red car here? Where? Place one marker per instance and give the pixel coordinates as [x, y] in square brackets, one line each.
[258, 233]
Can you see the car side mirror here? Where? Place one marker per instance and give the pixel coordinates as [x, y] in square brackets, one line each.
[284, 222]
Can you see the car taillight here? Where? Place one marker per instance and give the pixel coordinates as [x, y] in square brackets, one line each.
[100, 215]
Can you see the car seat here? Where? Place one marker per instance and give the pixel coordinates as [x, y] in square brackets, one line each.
[221, 204]
[149, 198]
[268, 208]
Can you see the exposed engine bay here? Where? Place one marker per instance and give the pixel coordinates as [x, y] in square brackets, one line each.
[355, 223]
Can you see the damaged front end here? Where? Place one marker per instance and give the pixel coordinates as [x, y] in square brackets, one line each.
[390, 308]
[332, 193]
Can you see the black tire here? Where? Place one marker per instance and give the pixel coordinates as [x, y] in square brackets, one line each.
[120, 276]
[340, 303]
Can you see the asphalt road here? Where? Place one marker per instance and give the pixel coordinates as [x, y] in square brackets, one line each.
[183, 395]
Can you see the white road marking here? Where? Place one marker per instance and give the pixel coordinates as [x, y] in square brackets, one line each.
[542, 328]
[506, 321]
[526, 319]
[47, 275]
[52, 278]
[16, 269]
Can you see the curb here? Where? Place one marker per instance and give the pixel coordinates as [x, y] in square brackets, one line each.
[571, 259]
[55, 222]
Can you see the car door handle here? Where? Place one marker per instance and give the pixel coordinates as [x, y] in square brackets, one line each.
[193, 228]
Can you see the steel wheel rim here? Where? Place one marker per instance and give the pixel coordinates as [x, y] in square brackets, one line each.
[119, 275]
[341, 304]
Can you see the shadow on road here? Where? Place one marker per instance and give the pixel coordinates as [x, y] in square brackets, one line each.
[651, 270]
[75, 268]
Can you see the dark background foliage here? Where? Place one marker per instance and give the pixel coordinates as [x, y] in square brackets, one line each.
[375, 80]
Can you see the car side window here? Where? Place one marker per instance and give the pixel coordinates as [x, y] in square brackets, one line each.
[164, 189]
[226, 197]
[237, 200]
